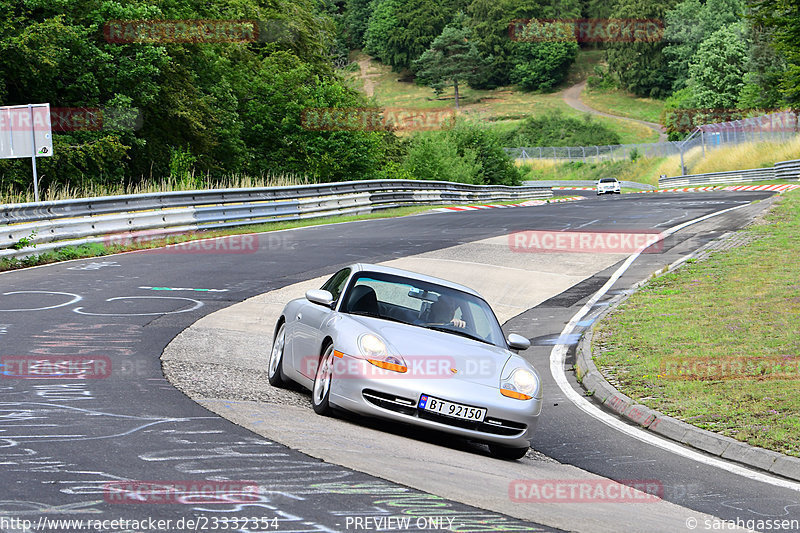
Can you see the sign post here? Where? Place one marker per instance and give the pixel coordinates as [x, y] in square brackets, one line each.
[25, 131]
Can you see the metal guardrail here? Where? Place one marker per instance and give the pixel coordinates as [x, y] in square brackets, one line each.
[113, 219]
[788, 170]
[782, 170]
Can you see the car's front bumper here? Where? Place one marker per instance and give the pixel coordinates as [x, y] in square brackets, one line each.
[394, 396]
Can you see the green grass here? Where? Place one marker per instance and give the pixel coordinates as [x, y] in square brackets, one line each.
[624, 104]
[502, 107]
[717, 342]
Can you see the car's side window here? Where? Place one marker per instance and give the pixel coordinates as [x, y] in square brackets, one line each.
[335, 284]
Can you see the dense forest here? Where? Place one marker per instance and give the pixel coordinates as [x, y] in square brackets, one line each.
[215, 109]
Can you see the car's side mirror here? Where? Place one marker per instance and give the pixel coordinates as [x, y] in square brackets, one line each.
[318, 296]
[517, 342]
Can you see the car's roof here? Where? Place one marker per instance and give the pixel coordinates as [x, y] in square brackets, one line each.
[367, 267]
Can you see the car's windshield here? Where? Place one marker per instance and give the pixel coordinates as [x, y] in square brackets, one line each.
[422, 304]
[608, 180]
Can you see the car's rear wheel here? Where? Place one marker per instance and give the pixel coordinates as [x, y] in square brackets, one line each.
[321, 393]
[274, 370]
[506, 452]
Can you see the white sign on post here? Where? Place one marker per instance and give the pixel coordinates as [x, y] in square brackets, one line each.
[25, 131]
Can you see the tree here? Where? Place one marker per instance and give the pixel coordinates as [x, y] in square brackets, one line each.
[418, 24]
[765, 67]
[382, 23]
[783, 16]
[717, 69]
[641, 67]
[451, 58]
[356, 19]
[544, 54]
[488, 24]
[688, 24]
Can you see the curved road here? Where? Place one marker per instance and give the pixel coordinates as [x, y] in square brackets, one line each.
[73, 447]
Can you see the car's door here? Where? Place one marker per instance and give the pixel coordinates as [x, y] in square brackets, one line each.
[307, 326]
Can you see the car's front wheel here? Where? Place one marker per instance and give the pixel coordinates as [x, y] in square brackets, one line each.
[506, 452]
[274, 371]
[321, 393]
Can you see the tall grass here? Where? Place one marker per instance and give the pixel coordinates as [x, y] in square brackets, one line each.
[647, 170]
[747, 155]
[235, 181]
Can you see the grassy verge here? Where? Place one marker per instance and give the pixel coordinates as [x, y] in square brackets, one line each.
[747, 155]
[717, 342]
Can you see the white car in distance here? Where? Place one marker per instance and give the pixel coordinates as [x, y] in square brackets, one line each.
[608, 186]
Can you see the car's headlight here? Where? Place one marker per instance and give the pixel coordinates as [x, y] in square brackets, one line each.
[375, 351]
[521, 384]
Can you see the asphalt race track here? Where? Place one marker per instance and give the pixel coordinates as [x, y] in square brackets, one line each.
[76, 448]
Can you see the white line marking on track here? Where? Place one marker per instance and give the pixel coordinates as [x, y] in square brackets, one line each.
[75, 299]
[558, 357]
[197, 305]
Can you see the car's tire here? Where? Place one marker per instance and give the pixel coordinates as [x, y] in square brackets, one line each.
[321, 391]
[275, 373]
[508, 453]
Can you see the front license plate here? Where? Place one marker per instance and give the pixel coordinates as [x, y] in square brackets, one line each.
[456, 410]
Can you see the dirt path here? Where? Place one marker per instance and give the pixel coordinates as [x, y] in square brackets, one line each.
[369, 84]
[572, 96]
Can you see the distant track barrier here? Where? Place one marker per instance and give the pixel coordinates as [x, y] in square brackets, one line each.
[55, 224]
[787, 170]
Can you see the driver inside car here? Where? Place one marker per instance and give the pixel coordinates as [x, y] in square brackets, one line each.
[443, 311]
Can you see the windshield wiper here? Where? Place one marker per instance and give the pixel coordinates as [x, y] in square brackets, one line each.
[459, 332]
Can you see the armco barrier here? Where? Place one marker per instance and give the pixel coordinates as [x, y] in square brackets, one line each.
[788, 170]
[51, 225]
[782, 170]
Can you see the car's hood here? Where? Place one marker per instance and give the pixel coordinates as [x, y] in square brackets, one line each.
[436, 354]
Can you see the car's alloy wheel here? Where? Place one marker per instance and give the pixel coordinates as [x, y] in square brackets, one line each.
[321, 393]
[505, 452]
[274, 371]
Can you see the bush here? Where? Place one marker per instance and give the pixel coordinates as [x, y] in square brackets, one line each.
[466, 153]
[557, 130]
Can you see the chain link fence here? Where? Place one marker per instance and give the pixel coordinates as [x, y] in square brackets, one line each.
[776, 127]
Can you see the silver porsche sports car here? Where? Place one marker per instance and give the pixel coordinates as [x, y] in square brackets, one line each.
[403, 346]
